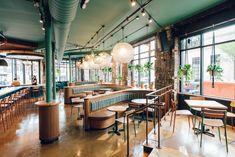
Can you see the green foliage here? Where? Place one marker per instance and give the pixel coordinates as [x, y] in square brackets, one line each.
[148, 66]
[215, 68]
[185, 71]
[131, 67]
[139, 68]
[119, 77]
[107, 69]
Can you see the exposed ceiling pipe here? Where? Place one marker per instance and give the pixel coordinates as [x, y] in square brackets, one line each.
[63, 13]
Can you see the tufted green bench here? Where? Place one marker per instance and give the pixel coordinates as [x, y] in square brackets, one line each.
[95, 109]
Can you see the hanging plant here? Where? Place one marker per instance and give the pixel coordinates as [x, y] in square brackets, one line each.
[214, 69]
[185, 71]
[148, 66]
[131, 67]
[139, 68]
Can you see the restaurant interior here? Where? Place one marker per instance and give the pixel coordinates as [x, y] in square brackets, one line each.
[108, 78]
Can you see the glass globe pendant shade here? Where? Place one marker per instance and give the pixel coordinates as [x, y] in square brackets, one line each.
[123, 53]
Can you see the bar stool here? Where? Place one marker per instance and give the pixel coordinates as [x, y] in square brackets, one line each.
[36, 92]
[2, 113]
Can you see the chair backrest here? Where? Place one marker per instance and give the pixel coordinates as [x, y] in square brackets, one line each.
[197, 98]
[215, 114]
[134, 106]
[173, 105]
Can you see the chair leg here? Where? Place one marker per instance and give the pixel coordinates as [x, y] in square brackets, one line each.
[171, 118]
[3, 123]
[219, 134]
[232, 122]
[225, 135]
[201, 135]
[174, 122]
[189, 121]
[134, 125]
[124, 128]
[71, 113]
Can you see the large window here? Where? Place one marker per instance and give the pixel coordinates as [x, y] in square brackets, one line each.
[217, 47]
[6, 73]
[144, 53]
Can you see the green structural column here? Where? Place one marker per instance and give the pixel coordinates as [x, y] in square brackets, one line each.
[48, 57]
[53, 72]
[70, 69]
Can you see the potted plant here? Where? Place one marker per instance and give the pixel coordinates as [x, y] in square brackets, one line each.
[139, 68]
[131, 68]
[106, 71]
[185, 71]
[119, 78]
[214, 70]
[148, 66]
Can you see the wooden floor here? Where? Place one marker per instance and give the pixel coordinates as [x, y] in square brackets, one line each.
[22, 140]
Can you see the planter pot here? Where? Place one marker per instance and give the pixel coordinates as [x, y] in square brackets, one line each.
[212, 72]
[71, 83]
[142, 85]
[133, 83]
[151, 85]
[48, 121]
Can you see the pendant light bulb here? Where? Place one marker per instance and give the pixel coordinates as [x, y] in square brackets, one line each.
[133, 3]
[143, 13]
[150, 19]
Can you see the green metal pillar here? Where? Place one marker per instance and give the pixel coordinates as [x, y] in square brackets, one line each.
[53, 72]
[48, 56]
[70, 69]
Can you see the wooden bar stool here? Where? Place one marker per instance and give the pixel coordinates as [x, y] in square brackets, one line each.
[2, 113]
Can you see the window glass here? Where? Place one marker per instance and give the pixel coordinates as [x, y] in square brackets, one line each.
[6, 73]
[152, 45]
[224, 83]
[136, 50]
[144, 55]
[36, 69]
[28, 71]
[19, 71]
[207, 38]
[183, 44]
[144, 48]
[192, 84]
[225, 34]
[193, 41]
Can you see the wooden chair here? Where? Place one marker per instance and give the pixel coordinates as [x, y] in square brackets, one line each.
[214, 118]
[2, 115]
[231, 114]
[175, 112]
[123, 120]
[197, 110]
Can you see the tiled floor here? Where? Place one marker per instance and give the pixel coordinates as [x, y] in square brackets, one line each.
[22, 140]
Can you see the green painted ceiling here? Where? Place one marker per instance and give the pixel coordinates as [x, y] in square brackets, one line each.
[20, 19]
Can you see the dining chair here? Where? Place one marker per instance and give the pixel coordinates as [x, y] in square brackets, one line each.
[231, 114]
[196, 110]
[214, 118]
[175, 112]
[138, 115]
[123, 120]
[2, 115]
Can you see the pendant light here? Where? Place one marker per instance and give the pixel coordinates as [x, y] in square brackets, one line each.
[123, 52]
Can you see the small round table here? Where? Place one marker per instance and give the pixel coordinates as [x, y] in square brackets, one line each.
[142, 101]
[116, 109]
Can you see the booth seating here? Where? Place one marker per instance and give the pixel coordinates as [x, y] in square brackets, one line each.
[96, 115]
[73, 91]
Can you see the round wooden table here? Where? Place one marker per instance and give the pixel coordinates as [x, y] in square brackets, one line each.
[142, 101]
[116, 109]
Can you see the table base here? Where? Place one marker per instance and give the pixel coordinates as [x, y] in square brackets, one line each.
[206, 131]
[117, 132]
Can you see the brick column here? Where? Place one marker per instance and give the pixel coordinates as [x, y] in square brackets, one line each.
[164, 65]
[124, 74]
[114, 72]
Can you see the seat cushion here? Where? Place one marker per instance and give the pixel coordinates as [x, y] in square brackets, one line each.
[230, 115]
[213, 122]
[102, 114]
[197, 109]
[183, 112]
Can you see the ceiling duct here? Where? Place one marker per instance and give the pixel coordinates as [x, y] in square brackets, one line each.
[63, 13]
